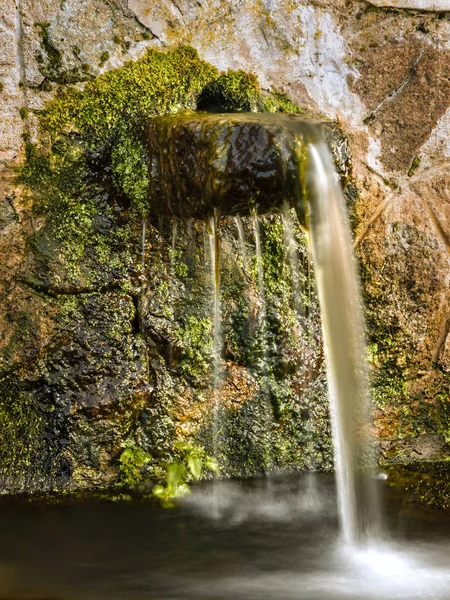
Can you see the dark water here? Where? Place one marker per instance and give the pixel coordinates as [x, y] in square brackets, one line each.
[272, 539]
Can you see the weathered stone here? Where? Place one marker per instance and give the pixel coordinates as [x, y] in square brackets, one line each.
[402, 130]
[429, 5]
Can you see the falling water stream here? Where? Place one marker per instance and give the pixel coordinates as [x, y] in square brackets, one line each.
[344, 344]
[242, 240]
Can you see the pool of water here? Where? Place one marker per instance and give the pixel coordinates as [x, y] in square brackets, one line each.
[265, 539]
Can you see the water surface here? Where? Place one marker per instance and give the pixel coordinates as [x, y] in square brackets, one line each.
[274, 539]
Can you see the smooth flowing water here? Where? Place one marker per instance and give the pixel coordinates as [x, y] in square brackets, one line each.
[260, 269]
[264, 366]
[344, 344]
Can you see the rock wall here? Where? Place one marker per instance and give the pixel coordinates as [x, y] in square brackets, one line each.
[382, 72]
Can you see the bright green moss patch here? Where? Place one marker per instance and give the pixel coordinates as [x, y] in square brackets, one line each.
[108, 118]
[279, 102]
[106, 121]
[24, 445]
[234, 91]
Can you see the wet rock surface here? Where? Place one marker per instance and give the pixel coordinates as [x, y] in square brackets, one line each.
[89, 361]
[238, 164]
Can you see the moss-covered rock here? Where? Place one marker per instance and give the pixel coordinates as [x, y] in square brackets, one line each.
[118, 304]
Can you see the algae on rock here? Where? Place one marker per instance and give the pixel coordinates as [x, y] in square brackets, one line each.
[125, 371]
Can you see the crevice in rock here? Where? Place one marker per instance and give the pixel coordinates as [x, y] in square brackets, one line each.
[436, 222]
[378, 211]
[429, 172]
[440, 342]
[55, 292]
[123, 7]
[20, 63]
[176, 5]
[376, 215]
[392, 95]
[409, 10]
[136, 324]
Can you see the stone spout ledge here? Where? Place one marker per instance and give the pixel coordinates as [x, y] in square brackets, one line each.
[241, 163]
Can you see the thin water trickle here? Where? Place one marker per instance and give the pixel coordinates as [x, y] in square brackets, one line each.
[260, 269]
[242, 241]
[262, 302]
[214, 245]
[344, 344]
[294, 260]
[173, 245]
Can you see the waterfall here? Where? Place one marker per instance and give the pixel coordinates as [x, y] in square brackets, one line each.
[344, 343]
[263, 159]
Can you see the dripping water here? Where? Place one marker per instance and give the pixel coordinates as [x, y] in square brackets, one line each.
[214, 244]
[262, 299]
[260, 271]
[142, 308]
[242, 241]
[264, 366]
[292, 253]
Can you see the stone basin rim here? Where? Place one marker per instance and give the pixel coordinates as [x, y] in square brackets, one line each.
[233, 163]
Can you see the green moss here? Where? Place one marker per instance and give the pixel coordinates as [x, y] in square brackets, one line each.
[108, 118]
[24, 444]
[129, 164]
[195, 337]
[132, 461]
[23, 112]
[90, 180]
[193, 464]
[414, 166]
[279, 102]
[234, 91]
[103, 58]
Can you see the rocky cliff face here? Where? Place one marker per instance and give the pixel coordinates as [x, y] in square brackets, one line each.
[104, 337]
